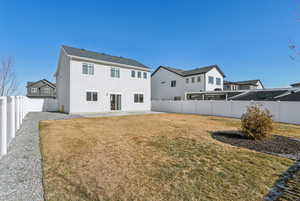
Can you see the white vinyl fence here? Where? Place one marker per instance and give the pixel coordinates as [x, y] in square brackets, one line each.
[12, 112]
[287, 112]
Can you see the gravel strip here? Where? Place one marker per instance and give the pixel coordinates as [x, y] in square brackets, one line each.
[20, 169]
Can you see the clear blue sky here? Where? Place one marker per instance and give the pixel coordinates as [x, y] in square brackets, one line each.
[247, 39]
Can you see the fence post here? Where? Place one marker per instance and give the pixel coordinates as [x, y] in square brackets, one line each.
[17, 116]
[20, 111]
[12, 118]
[3, 126]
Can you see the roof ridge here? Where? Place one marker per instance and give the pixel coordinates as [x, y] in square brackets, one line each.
[81, 52]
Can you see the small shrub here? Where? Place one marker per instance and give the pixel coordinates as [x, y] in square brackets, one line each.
[257, 123]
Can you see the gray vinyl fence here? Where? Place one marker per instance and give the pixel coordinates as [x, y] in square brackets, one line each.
[287, 112]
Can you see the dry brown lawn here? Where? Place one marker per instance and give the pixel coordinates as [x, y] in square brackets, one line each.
[153, 157]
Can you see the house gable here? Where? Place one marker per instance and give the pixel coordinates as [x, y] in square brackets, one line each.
[186, 73]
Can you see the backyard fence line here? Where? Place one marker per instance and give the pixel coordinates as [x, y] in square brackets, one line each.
[286, 112]
[13, 109]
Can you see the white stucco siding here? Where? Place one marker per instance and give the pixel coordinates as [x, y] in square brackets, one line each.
[161, 85]
[104, 84]
[63, 83]
[215, 74]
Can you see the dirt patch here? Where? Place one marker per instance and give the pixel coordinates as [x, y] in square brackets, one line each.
[283, 145]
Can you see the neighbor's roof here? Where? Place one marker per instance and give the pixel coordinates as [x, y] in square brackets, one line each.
[195, 71]
[295, 84]
[53, 85]
[261, 95]
[295, 96]
[101, 56]
[246, 82]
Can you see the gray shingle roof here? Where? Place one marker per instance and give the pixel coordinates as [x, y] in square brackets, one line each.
[295, 84]
[44, 81]
[261, 95]
[101, 56]
[290, 97]
[246, 82]
[195, 71]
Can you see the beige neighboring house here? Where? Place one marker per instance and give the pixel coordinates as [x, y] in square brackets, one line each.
[243, 85]
[41, 89]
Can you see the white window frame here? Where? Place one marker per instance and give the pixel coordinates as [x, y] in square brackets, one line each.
[33, 90]
[115, 72]
[139, 74]
[45, 90]
[173, 81]
[133, 73]
[199, 79]
[218, 81]
[145, 76]
[92, 95]
[187, 80]
[211, 80]
[139, 94]
[193, 79]
[89, 68]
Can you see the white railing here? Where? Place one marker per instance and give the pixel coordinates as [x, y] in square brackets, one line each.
[13, 109]
[287, 112]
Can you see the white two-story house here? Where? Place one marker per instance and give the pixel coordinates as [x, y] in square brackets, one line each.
[172, 84]
[91, 82]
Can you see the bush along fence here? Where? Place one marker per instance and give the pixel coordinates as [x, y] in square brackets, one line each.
[286, 112]
[13, 109]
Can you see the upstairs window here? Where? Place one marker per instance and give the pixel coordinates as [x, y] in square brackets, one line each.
[210, 79]
[33, 90]
[138, 98]
[173, 83]
[132, 73]
[193, 79]
[115, 72]
[145, 75]
[198, 79]
[88, 69]
[91, 96]
[218, 81]
[45, 90]
[187, 80]
[139, 74]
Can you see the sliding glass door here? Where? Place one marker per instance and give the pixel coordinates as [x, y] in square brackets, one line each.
[115, 102]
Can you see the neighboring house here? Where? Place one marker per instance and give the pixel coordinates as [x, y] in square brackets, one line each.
[243, 85]
[297, 85]
[41, 89]
[172, 84]
[89, 82]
